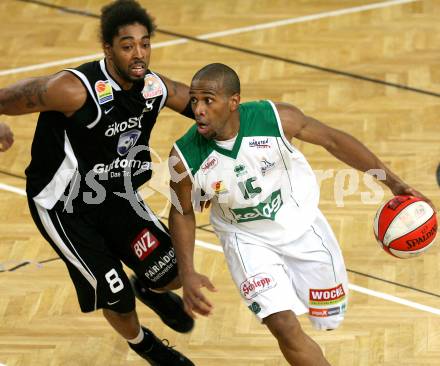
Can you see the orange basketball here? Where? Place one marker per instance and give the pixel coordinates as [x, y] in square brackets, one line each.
[405, 226]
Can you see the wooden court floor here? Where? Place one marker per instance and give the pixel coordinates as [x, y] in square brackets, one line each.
[368, 67]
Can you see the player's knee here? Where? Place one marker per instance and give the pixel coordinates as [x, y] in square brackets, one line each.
[108, 313]
[285, 327]
[113, 291]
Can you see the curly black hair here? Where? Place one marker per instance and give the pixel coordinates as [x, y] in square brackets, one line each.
[120, 13]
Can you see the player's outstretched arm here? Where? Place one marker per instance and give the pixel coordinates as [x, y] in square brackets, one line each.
[62, 92]
[340, 144]
[182, 225]
[178, 97]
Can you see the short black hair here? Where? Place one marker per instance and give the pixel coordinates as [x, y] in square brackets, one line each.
[120, 13]
[218, 71]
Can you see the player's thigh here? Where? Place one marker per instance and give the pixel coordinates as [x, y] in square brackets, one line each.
[318, 272]
[260, 275]
[142, 242]
[96, 273]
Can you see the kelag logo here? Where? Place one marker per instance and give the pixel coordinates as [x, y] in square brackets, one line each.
[264, 210]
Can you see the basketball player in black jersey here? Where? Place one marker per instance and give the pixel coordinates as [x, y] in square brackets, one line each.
[92, 119]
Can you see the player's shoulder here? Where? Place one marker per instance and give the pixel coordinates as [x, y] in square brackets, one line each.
[190, 138]
[257, 108]
[90, 67]
[194, 148]
[259, 118]
[255, 105]
[66, 85]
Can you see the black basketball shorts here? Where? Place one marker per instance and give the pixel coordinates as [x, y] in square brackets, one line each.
[93, 244]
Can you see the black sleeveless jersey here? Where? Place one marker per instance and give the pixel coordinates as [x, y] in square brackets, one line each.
[84, 158]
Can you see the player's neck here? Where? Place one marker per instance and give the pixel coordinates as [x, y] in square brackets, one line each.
[231, 128]
[113, 71]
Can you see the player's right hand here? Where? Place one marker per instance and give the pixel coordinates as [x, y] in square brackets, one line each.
[6, 137]
[193, 298]
[406, 190]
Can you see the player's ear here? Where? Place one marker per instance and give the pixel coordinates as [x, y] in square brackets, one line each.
[107, 50]
[234, 102]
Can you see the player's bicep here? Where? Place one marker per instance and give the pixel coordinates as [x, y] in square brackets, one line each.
[297, 125]
[66, 93]
[25, 96]
[178, 94]
[317, 133]
[57, 92]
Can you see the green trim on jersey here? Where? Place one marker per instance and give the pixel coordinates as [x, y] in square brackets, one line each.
[256, 119]
[194, 148]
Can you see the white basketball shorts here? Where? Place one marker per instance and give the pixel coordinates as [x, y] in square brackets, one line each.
[306, 275]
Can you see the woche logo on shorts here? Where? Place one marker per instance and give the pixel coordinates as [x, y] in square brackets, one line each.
[326, 296]
[256, 285]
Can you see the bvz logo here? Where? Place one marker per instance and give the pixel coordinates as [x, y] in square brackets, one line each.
[127, 140]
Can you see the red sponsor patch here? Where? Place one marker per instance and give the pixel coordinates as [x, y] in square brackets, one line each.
[219, 187]
[100, 86]
[144, 244]
[211, 163]
[152, 87]
[320, 313]
[257, 284]
[326, 295]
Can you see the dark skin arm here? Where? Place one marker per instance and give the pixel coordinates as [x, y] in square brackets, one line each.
[340, 144]
[178, 94]
[61, 92]
[182, 225]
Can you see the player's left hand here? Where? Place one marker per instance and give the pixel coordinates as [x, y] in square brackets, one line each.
[405, 190]
[6, 137]
[193, 298]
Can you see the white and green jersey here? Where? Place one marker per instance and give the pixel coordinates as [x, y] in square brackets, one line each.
[263, 187]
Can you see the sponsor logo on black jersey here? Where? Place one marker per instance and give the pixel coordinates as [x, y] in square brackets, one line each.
[117, 128]
[149, 105]
[127, 140]
[104, 91]
[161, 266]
[118, 164]
[152, 87]
[144, 244]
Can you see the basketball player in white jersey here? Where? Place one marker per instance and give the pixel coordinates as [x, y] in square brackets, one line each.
[281, 252]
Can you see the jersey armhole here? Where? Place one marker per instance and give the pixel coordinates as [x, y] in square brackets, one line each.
[185, 163]
[280, 127]
[90, 93]
[165, 91]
